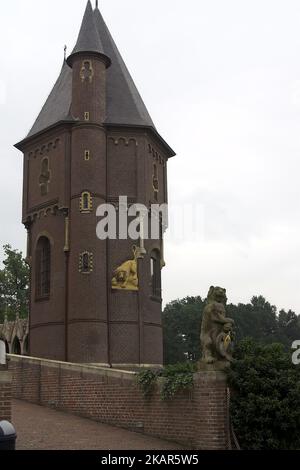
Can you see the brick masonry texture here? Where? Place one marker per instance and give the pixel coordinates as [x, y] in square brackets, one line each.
[5, 395]
[195, 419]
[41, 428]
[82, 319]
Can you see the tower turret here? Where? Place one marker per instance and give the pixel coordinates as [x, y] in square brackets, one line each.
[89, 63]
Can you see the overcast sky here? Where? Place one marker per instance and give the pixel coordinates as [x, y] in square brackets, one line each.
[221, 80]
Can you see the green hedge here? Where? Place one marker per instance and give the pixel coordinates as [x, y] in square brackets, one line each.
[265, 405]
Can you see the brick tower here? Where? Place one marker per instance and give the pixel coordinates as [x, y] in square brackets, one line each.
[92, 142]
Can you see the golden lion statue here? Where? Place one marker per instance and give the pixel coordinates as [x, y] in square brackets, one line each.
[216, 330]
[125, 277]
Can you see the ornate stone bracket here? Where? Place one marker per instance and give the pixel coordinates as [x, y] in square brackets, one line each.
[44, 149]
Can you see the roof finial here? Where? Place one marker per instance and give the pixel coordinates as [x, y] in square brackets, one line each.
[65, 53]
[97, 3]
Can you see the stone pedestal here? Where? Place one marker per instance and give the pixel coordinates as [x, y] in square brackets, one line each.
[5, 394]
[211, 410]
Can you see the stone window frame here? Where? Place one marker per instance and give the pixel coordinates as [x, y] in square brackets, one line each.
[86, 205]
[86, 267]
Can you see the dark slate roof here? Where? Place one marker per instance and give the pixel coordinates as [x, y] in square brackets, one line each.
[58, 104]
[88, 38]
[124, 103]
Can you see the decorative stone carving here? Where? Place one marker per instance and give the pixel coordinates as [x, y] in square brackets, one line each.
[44, 149]
[87, 71]
[216, 330]
[125, 140]
[15, 332]
[43, 210]
[156, 155]
[126, 276]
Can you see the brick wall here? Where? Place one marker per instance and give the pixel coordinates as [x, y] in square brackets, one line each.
[196, 419]
[5, 395]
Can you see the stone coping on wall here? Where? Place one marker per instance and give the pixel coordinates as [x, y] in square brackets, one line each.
[83, 368]
[106, 370]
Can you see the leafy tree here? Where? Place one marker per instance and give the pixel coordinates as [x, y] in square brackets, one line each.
[289, 326]
[14, 284]
[265, 406]
[258, 320]
[181, 326]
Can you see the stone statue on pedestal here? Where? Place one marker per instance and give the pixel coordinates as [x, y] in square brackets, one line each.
[216, 331]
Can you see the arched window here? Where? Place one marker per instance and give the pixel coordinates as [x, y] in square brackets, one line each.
[43, 268]
[155, 268]
[16, 346]
[86, 202]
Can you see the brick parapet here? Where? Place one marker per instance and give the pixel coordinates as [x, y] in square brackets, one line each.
[196, 419]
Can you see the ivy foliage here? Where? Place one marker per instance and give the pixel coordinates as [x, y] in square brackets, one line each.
[146, 380]
[176, 378]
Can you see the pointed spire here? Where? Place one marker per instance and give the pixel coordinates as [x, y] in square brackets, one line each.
[97, 4]
[125, 103]
[88, 38]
